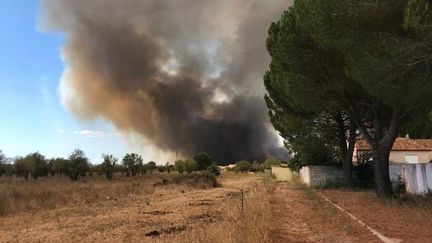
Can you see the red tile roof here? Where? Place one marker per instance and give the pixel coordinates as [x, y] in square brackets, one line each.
[402, 144]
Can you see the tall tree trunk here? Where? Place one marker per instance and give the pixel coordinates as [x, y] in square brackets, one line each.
[383, 185]
[381, 141]
[346, 150]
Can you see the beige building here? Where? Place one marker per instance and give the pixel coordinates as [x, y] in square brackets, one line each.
[405, 150]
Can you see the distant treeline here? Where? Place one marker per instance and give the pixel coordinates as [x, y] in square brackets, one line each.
[77, 166]
[246, 166]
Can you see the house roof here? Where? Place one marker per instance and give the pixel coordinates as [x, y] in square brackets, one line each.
[401, 144]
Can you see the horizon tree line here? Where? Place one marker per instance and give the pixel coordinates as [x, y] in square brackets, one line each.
[77, 166]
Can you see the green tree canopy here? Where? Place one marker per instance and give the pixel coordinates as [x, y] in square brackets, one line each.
[203, 161]
[2, 163]
[58, 166]
[243, 166]
[132, 163]
[151, 166]
[108, 165]
[79, 164]
[361, 57]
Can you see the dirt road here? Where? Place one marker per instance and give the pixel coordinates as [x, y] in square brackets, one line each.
[304, 215]
[300, 215]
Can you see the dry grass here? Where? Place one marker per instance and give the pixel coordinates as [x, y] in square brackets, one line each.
[151, 208]
[18, 195]
[252, 224]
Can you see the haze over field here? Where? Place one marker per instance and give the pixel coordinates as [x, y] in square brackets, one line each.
[184, 75]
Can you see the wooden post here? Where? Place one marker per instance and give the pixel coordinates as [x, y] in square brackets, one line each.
[242, 200]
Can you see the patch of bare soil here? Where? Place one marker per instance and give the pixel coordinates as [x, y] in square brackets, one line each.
[166, 215]
[410, 221]
[300, 215]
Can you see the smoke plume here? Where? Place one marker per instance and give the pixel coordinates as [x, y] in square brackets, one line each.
[184, 74]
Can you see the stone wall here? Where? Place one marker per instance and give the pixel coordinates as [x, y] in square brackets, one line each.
[318, 176]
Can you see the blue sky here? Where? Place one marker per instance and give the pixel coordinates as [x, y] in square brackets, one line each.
[32, 116]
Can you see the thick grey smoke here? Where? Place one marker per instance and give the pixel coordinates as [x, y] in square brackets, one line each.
[185, 74]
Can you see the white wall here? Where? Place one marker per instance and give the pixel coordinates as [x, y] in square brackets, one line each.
[417, 177]
[399, 156]
[282, 173]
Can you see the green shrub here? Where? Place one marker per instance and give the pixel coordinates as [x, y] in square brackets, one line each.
[295, 163]
[161, 168]
[169, 167]
[270, 162]
[203, 161]
[179, 166]
[207, 180]
[243, 166]
[399, 186]
[213, 170]
[190, 165]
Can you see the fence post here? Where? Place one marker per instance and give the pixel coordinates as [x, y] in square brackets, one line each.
[242, 200]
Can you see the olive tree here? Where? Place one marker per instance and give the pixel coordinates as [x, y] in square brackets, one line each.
[78, 164]
[108, 165]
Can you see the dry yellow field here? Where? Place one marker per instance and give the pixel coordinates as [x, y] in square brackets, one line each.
[184, 208]
[151, 208]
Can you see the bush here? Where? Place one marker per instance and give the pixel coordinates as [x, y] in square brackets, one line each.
[190, 165]
[269, 163]
[203, 161]
[208, 179]
[169, 167]
[179, 166]
[295, 163]
[213, 170]
[399, 186]
[243, 166]
[161, 168]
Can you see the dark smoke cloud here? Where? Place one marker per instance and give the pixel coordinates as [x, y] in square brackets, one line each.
[184, 74]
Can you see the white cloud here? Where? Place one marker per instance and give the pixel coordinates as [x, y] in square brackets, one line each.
[95, 134]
